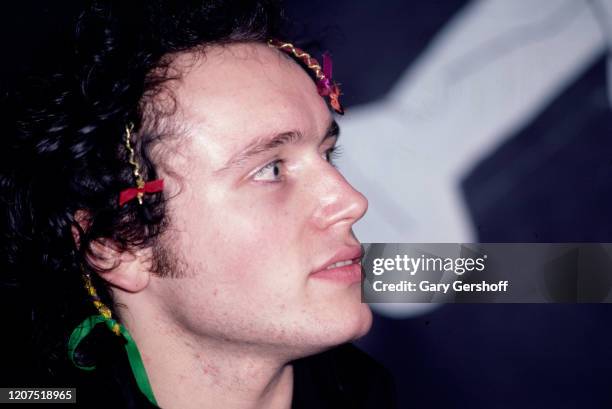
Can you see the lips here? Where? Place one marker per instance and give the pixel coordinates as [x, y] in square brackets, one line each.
[344, 266]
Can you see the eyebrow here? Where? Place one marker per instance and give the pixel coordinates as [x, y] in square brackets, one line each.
[265, 144]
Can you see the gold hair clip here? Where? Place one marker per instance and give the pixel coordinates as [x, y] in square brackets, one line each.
[142, 187]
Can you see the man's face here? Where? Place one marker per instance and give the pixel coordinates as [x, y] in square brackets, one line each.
[257, 208]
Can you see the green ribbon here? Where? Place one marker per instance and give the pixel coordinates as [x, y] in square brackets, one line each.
[138, 369]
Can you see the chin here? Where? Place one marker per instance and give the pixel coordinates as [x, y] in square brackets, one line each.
[333, 320]
[365, 322]
[330, 331]
[350, 324]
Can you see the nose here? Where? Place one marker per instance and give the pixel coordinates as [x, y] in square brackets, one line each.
[338, 201]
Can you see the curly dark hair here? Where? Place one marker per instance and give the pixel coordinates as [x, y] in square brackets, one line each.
[63, 151]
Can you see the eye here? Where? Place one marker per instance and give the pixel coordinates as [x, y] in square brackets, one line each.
[332, 154]
[270, 173]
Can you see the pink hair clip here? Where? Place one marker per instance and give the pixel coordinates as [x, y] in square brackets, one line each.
[325, 85]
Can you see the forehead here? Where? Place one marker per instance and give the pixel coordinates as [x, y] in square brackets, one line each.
[234, 94]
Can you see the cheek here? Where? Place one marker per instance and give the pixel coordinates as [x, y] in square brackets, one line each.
[242, 241]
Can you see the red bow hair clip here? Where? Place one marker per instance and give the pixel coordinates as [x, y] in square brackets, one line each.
[131, 193]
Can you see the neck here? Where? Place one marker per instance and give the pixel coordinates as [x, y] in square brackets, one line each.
[199, 372]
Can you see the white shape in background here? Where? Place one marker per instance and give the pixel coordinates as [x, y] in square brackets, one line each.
[494, 67]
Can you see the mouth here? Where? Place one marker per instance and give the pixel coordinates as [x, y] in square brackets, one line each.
[344, 266]
[343, 263]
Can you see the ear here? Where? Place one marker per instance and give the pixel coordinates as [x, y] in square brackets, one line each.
[127, 270]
